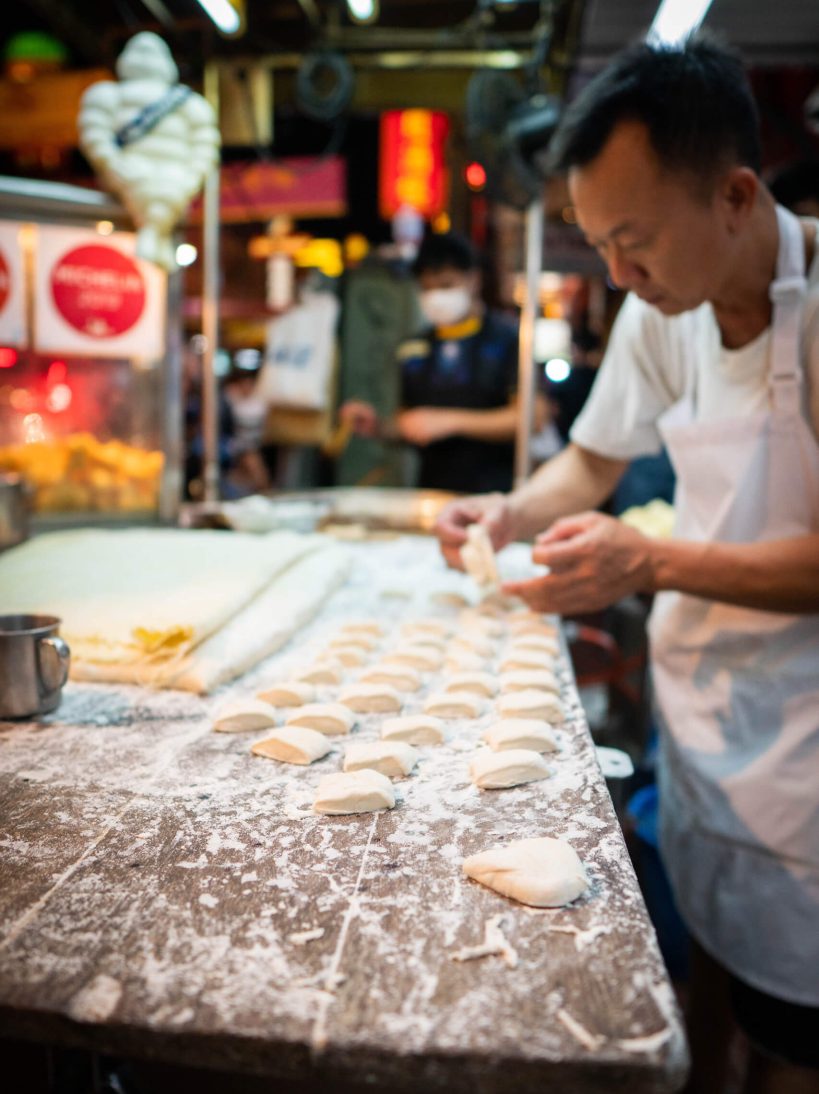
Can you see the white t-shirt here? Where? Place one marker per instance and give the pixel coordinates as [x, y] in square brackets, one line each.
[646, 370]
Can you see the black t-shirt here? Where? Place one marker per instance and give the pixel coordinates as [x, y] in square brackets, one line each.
[477, 371]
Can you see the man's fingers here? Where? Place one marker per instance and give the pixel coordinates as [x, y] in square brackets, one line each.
[567, 527]
[558, 556]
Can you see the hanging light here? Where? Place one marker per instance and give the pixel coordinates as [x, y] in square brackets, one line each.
[223, 14]
[676, 19]
[363, 11]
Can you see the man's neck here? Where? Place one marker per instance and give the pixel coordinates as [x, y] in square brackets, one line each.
[742, 306]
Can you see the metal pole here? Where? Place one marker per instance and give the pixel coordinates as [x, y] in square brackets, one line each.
[210, 311]
[526, 358]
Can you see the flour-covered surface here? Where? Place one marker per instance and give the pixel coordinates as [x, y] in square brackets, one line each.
[166, 893]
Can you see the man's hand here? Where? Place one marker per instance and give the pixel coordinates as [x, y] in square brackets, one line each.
[594, 561]
[360, 416]
[491, 510]
[425, 424]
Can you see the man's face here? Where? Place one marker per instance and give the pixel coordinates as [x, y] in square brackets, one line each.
[659, 236]
[449, 278]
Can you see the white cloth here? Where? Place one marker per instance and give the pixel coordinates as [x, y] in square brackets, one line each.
[648, 366]
[737, 690]
[299, 356]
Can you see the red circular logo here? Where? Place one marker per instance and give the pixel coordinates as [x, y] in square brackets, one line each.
[5, 281]
[98, 290]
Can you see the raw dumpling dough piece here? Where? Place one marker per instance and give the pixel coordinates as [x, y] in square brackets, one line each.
[523, 660]
[478, 557]
[455, 704]
[541, 872]
[392, 758]
[544, 642]
[510, 767]
[520, 733]
[323, 672]
[414, 729]
[474, 643]
[532, 623]
[423, 628]
[474, 621]
[354, 639]
[293, 745]
[417, 656]
[525, 679]
[354, 792]
[334, 719]
[363, 626]
[290, 693]
[531, 703]
[244, 714]
[400, 677]
[478, 683]
[371, 699]
[464, 661]
[349, 655]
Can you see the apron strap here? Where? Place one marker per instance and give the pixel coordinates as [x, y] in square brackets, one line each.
[787, 293]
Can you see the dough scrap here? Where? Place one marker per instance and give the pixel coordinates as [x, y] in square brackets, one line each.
[456, 704]
[392, 758]
[478, 683]
[400, 677]
[354, 639]
[293, 745]
[478, 557]
[362, 791]
[349, 655]
[544, 642]
[371, 699]
[416, 655]
[463, 661]
[334, 719]
[542, 872]
[289, 693]
[242, 715]
[521, 623]
[526, 733]
[525, 679]
[414, 729]
[473, 643]
[524, 660]
[363, 626]
[473, 620]
[510, 767]
[531, 703]
[329, 671]
[424, 628]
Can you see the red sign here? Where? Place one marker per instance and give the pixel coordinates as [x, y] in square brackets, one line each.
[5, 281]
[98, 290]
[412, 162]
[299, 186]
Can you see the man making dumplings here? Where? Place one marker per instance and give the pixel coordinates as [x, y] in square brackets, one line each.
[716, 354]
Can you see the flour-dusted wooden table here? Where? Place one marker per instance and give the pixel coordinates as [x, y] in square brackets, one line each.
[165, 894]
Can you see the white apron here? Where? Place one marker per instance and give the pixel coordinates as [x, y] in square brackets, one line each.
[737, 690]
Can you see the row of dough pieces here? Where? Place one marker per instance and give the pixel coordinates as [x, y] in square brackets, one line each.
[544, 872]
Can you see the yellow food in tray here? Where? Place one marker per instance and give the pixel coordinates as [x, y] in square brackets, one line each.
[79, 472]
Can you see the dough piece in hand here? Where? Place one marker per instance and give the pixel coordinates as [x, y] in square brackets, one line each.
[293, 745]
[520, 733]
[454, 704]
[510, 767]
[478, 557]
[348, 655]
[474, 643]
[354, 639]
[328, 671]
[288, 694]
[354, 792]
[544, 642]
[422, 629]
[417, 655]
[479, 683]
[363, 626]
[414, 729]
[334, 719]
[400, 677]
[464, 661]
[244, 714]
[392, 758]
[371, 699]
[523, 679]
[541, 872]
[531, 704]
[523, 660]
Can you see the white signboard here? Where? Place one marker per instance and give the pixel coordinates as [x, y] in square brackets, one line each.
[12, 291]
[95, 298]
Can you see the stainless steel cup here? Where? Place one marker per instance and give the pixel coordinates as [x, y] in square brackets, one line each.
[34, 663]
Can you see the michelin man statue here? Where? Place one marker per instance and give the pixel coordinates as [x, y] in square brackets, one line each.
[151, 139]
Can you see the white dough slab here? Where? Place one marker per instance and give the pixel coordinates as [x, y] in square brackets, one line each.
[510, 767]
[334, 719]
[293, 745]
[520, 733]
[362, 791]
[242, 715]
[542, 872]
[288, 693]
[415, 729]
[371, 698]
[453, 704]
[392, 758]
[531, 703]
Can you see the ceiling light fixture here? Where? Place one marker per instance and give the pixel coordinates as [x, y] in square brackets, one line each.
[676, 19]
[363, 11]
[223, 14]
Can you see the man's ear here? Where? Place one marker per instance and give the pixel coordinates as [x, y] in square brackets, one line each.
[738, 191]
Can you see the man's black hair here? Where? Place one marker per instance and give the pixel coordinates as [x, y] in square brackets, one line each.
[694, 100]
[445, 251]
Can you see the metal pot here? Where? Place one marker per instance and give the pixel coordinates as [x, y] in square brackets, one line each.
[13, 510]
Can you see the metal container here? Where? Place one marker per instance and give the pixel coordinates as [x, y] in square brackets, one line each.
[13, 511]
[34, 664]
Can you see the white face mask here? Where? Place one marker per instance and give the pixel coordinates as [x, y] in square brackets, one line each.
[443, 307]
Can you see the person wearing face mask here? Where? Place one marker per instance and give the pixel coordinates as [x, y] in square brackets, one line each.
[458, 378]
[715, 353]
